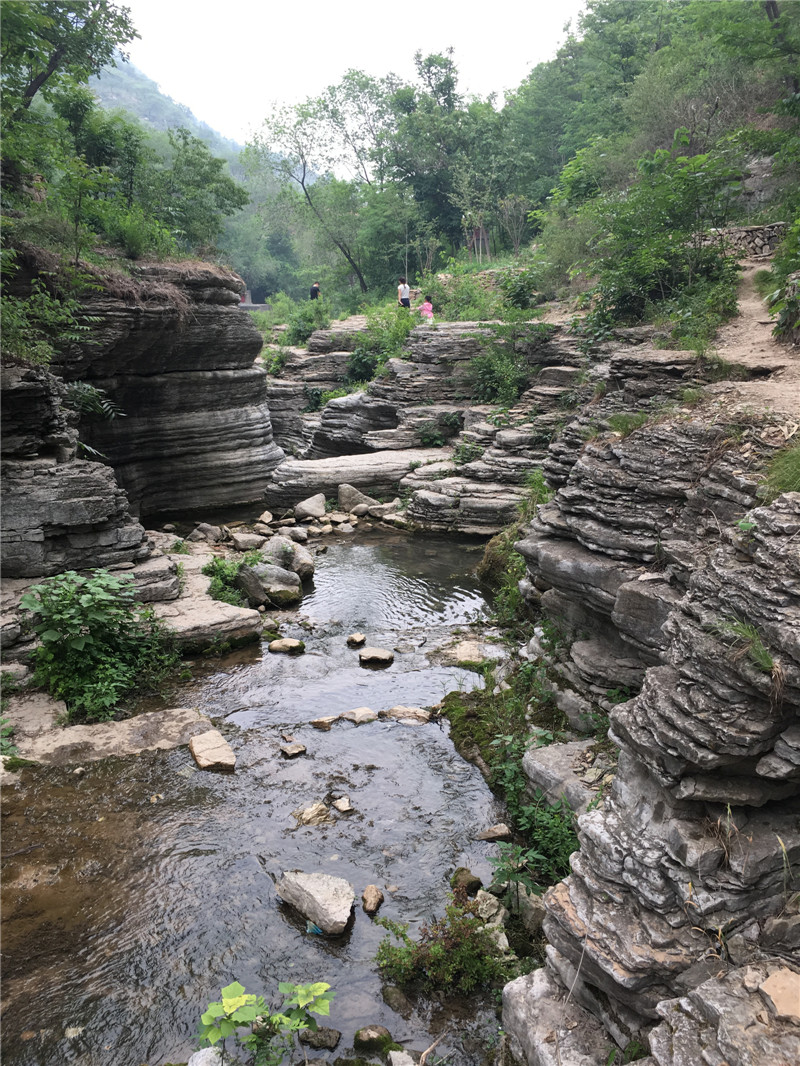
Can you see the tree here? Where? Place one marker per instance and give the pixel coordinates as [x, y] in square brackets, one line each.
[45, 42]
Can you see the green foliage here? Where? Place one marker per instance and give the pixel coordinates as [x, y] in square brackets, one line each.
[783, 473]
[462, 296]
[38, 326]
[180, 547]
[653, 246]
[97, 644]
[747, 641]
[91, 401]
[268, 1037]
[305, 318]
[223, 574]
[625, 422]
[454, 954]
[467, 452]
[7, 747]
[385, 335]
[784, 300]
[519, 287]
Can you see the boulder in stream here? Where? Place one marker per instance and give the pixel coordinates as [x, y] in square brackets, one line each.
[313, 507]
[267, 583]
[356, 640]
[376, 657]
[371, 899]
[323, 899]
[211, 751]
[287, 646]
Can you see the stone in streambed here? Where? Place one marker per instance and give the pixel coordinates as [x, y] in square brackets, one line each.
[325, 722]
[495, 832]
[287, 646]
[407, 715]
[359, 715]
[291, 751]
[212, 752]
[372, 1038]
[356, 640]
[321, 1039]
[316, 814]
[371, 899]
[325, 900]
[375, 657]
[265, 582]
[313, 507]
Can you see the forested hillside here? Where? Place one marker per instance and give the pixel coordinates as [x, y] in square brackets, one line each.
[655, 121]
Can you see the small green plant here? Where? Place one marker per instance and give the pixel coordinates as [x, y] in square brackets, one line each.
[467, 452]
[223, 574]
[305, 319]
[274, 359]
[97, 643]
[268, 1037]
[180, 547]
[7, 747]
[747, 641]
[691, 397]
[783, 473]
[430, 435]
[624, 423]
[454, 954]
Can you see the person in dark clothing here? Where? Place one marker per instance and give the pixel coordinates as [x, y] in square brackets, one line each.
[314, 291]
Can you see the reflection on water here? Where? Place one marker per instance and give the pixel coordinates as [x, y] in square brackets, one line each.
[153, 885]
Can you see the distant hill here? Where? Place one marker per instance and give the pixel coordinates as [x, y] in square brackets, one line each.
[126, 88]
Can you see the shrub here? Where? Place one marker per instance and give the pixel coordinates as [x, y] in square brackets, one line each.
[305, 318]
[461, 296]
[98, 644]
[223, 574]
[453, 954]
[467, 452]
[383, 339]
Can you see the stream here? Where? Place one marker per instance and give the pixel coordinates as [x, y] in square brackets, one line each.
[150, 884]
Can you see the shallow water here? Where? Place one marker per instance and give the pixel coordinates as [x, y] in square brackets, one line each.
[151, 884]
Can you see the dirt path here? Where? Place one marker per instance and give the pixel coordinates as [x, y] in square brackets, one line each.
[748, 341]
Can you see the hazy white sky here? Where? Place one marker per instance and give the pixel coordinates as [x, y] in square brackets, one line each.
[229, 62]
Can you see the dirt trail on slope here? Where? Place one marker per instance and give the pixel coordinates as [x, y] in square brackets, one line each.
[748, 341]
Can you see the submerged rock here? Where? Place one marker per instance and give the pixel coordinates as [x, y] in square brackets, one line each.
[371, 899]
[325, 900]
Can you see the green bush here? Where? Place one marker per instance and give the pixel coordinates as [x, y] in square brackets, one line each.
[223, 574]
[460, 296]
[454, 954]
[625, 422]
[383, 339]
[98, 644]
[305, 318]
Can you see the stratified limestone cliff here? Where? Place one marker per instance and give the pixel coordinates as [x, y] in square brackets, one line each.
[59, 512]
[175, 353]
[664, 570]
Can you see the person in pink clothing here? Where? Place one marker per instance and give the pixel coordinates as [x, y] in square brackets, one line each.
[426, 309]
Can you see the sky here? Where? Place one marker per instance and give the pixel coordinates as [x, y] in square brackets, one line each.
[230, 62]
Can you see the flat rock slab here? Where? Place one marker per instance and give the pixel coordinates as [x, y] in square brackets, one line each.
[291, 751]
[211, 751]
[198, 621]
[360, 715]
[376, 657]
[407, 715]
[495, 832]
[325, 900]
[555, 770]
[156, 730]
[324, 723]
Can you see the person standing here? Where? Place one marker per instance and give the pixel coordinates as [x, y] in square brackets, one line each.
[314, 291]
[404, 293]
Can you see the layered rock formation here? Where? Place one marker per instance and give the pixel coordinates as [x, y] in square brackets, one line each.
[661, 570]
[175, 354]
[59, 512]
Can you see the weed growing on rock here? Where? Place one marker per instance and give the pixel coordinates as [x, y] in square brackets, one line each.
[7, 746]
[223, 574]
[746, 641]
[783, 473]
[454, 954]
[467, 452]
[625, 423]
[97, 643]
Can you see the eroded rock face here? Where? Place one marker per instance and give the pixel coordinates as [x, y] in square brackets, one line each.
[196, 433]
[58, 512]
[643, 563]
